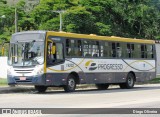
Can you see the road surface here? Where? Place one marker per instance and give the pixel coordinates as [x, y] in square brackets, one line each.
[142, 96]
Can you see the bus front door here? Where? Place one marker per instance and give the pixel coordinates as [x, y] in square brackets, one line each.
[55, 54]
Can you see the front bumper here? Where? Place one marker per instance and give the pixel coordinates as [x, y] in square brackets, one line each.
[27, 80]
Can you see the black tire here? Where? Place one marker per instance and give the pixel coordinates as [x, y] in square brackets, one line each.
[41, 89]
[102, 86]
[130, 81]
[71, 84]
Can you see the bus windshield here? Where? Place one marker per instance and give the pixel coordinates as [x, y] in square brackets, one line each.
[26, 53]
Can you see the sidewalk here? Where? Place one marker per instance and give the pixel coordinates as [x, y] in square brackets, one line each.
[22, 88]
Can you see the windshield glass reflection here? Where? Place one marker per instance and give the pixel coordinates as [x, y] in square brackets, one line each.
[26, 53]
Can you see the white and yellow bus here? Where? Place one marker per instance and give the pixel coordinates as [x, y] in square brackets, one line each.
[47, 58]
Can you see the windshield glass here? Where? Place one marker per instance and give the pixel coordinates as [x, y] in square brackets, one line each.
[26, 53]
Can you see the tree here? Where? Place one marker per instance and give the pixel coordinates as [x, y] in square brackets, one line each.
[78, 20]
[125, 18]
[6, 21]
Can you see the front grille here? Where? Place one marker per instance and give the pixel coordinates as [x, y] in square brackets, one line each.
[24, 71]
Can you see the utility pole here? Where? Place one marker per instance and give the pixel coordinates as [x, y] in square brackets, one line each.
[60, 27]
[60, 18]
[15, 17]
[16, 21]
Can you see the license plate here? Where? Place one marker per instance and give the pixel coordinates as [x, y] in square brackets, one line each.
[22, 78]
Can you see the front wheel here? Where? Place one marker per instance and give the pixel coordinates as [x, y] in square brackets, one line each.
[129, 82]
[71, 84]
[41, 89]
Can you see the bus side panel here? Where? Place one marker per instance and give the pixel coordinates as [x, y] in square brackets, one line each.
[120, 77]
[82, 78]
[60, 79]
[99, 78]
[56, 79]
[145, 76]
[105, 77]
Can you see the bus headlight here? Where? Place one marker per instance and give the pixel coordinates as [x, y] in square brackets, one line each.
[9, 72]
[39, 69]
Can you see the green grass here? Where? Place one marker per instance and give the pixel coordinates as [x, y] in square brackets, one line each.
[3, 82]
[155, 80]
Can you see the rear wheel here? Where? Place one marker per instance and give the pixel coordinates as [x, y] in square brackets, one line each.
[129, 82]
[102, 86]
[41, 89]
[71, 84]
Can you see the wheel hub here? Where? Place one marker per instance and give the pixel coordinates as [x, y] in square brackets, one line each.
[71, 83]
[130, 81]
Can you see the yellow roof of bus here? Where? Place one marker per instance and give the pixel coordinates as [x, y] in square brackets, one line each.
[96, 37]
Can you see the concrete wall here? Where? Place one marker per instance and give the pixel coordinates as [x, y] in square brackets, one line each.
[158, 58]
[3, 67]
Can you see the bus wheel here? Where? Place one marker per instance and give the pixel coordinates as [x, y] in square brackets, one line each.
[129, 83]
[41, 89]
[71, 84]
[102, 86]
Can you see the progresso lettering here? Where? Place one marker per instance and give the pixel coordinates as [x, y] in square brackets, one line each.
[110, 66]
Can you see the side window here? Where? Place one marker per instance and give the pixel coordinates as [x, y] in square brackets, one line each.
[90, 48]
[50, 54]
[78, 48]
[70, 47]
[137, 51]
[113, 49]
[54, 53]
[150, 53]
[105, 49]
[73, 47]
[130, 50]
[86, 49]
[51, 57]
[119, 50]
[59, 51]
[95, 49]
[124, 48]
[143, 51]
